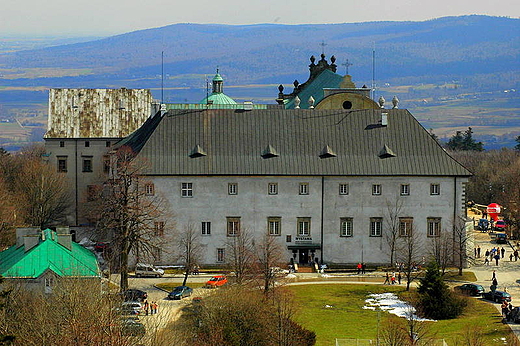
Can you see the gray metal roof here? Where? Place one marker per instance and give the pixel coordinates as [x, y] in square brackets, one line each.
[234, 143]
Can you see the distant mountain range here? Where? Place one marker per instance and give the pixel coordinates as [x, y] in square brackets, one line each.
[436, 62]
[270, 53]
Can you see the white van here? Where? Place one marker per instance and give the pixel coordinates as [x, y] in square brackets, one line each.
[147, 270]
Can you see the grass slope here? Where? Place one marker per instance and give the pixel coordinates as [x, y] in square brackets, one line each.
[347, 319]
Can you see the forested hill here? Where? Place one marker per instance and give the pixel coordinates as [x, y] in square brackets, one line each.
[272, 53]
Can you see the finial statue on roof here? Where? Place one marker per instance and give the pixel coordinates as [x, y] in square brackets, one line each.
[280, 88]
[395, 102]
[297, 102]
[296, 83]
[382, 102]
[333, 59]
[322, 56]
[311, 102]
[313, 59]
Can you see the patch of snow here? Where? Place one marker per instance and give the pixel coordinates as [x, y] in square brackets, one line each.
[290, 276]
[325, 275]
[390, 303]
[328, 306]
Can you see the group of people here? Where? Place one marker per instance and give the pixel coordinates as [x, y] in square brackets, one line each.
[150, 308]
[496, 254]
[361, 268]
[508, 311]
[391, 280]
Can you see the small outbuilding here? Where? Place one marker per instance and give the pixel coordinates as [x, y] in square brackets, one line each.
[41, 257]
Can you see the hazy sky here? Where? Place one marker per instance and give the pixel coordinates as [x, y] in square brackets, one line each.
[106, 17]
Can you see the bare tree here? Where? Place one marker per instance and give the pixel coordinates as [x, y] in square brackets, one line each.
[460, 241]
[190, 250]
[441, 250]
[410, 255]
[241, 254]
[392, 220]
[268, 255]
[123, 210]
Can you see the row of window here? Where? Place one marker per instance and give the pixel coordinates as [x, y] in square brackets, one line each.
[87, 144]
[303, 227]
[272, 189]
[86, 164]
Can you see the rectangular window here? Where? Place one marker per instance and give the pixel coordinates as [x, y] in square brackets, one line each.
[62, 144]
[304, 188]
[233, 226]
[304, 226]
[405, 189]
[405, 226]
[288, 238]
[186, 189]
[206, 228]
[149, 189]
[91, 192]
[434, 226]
[221, 253]
[232, 189]
[343, 189]
[346, 226]
[87, 144]
[87, 164]
[376, 226]
[435, 189]
[156, 253]
[62, 163]
[107, 144]
[158, 228]
[376, 189]
[272, 188]
[274, 225]
[106, 164]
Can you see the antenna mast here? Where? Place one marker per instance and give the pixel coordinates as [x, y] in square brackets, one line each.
[162, 77]
[374, 72]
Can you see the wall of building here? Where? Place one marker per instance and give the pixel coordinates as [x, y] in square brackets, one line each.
[83, 113]
[253, 204]
[75, 152]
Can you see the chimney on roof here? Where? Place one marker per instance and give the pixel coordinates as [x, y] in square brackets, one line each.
[30, 241]
[22, 232]
[65, 240]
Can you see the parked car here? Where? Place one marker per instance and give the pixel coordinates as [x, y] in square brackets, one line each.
[180, 292]
[133, 294]
[497, 296]
[500, 226]
[501, 238]
[132, 327]
[483, 225]
[470, 289]
[131, 308]
[216, 281]
[142, 269]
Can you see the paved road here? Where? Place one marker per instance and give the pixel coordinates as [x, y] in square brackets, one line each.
[507, 272]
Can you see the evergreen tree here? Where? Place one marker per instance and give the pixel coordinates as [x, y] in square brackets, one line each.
[517, 146]
[436, 301]
[464, 141]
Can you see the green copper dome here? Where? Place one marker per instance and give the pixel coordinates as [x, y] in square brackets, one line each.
[217, 96]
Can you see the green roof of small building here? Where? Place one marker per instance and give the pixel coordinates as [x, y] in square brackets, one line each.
[48, 254]
[218, 99]
[218, 78]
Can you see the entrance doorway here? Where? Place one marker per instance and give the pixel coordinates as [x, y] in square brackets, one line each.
[304, 256]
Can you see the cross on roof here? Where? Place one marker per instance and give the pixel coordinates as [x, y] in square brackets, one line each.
[323, 44]
[347, 64]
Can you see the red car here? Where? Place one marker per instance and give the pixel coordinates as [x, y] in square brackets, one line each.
[216, 281]
[500, 226]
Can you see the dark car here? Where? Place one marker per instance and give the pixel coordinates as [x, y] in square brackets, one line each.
[180, 292]
[134, 295]
[483, 225]
[500, 226]
[497, 296]
[470, 289]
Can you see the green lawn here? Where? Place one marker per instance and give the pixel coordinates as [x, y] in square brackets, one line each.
[347, 319]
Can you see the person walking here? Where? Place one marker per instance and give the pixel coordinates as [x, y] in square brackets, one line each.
[516, 255]
[363, 268]
[392, 279]
[497, 257]
[399, 277]
[486, 261]
[494, 275]
[358, 268]
[387, 279]
[503, 251]
[478, 251]
[510, 257]
[505, 308]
